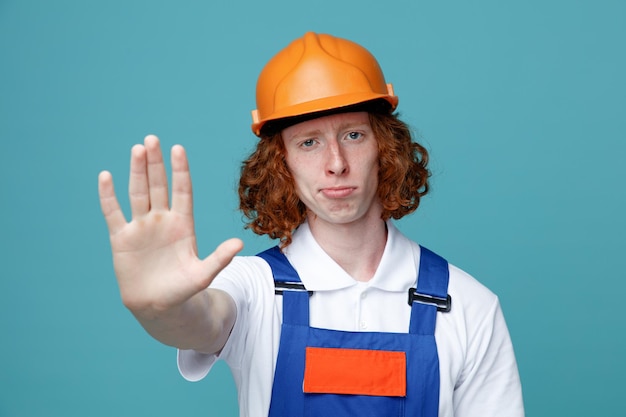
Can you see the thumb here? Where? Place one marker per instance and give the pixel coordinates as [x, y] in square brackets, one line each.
[220, 258]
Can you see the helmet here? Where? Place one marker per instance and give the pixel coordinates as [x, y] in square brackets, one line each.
[318, 73]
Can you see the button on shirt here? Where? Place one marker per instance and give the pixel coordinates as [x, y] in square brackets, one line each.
[478, 371]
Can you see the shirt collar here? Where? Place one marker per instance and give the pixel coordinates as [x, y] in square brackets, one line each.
[319, 272]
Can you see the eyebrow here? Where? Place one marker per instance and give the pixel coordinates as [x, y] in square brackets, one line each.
[314, 132]
[352, 125]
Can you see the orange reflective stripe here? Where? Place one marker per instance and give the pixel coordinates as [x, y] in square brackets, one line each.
[355, 371]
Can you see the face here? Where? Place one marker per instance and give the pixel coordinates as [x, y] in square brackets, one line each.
[334, 163]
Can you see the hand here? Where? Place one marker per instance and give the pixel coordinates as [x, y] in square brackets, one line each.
[155, 255]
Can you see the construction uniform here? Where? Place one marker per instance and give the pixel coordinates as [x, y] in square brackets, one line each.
[467, 369]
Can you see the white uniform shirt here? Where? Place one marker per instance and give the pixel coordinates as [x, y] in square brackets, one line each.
[478, 371]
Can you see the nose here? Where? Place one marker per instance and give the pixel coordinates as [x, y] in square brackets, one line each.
[337, 163]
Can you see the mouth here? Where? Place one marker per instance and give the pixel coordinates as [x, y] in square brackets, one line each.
[337, 192]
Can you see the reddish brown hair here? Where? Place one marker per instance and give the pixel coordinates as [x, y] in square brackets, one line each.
[267, 193]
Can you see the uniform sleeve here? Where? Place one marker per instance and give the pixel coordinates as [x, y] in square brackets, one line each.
[489, 383]
[193, 365]
[248, 280]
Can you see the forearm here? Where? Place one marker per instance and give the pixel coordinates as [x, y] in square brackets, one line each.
[203, 323]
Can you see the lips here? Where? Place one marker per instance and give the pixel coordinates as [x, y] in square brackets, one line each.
[337, 192]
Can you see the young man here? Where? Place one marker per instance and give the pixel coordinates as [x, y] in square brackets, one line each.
[346, 316]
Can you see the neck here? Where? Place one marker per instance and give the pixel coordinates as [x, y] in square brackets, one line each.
[357, 247]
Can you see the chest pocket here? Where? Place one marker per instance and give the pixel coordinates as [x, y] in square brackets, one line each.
[354, 371]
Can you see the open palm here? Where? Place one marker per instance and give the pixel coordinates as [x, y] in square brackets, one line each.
[155, 254]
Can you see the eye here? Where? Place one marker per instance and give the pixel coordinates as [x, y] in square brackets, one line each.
[308, 143]
[354, 135]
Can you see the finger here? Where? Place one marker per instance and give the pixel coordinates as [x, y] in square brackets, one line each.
[157, 178]
[219, 259]
[108, 203]
[182, 195]
[138, 190]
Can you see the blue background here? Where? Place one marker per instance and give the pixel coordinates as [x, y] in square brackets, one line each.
[522, 105]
